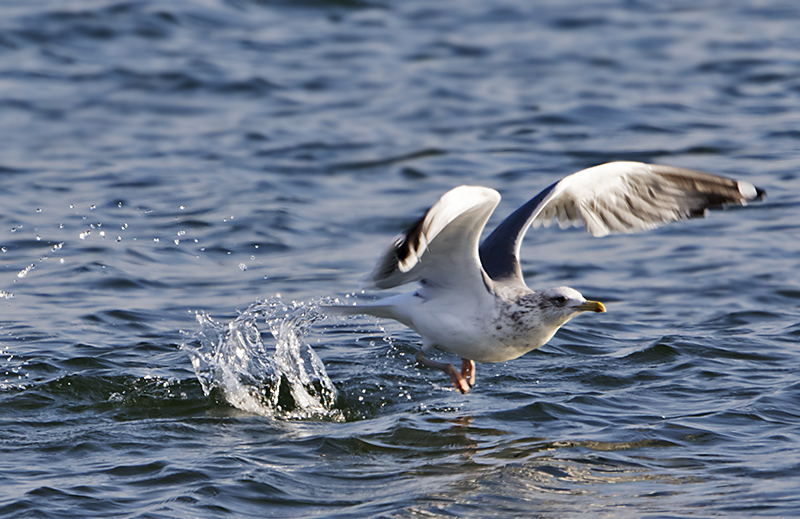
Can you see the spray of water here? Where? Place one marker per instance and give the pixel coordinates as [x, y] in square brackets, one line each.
[287, 382]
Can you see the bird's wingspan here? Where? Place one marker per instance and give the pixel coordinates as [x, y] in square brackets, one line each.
[442, 247]
[612, 198]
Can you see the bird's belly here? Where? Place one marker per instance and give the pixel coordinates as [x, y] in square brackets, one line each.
[486, 351]
[483, 330]
[474, 339]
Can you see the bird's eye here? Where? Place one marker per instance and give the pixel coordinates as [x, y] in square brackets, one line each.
[560, 300]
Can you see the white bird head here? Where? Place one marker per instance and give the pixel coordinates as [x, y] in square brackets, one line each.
[560, 304]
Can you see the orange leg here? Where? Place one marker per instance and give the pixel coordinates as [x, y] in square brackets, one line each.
[468, 371]
[457, 378]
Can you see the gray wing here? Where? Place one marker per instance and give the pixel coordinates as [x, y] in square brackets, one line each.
[611, 198]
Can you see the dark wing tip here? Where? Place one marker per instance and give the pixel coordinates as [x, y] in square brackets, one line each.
[399, 258]
[407, 245]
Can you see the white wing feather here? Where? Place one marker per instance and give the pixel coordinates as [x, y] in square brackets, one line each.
[442, 247]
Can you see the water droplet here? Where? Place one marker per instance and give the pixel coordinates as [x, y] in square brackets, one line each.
[119, 239]
[93, 207]
[24, 272]
[156, 240]
[177, 241]
[124, 226]
[242, 267]
[38, 238]
[38, 209]
[84, 234]
[183, 207]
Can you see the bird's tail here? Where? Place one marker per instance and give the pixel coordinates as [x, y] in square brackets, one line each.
[373, 310]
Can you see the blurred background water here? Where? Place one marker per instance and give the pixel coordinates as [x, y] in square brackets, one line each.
[182, 182]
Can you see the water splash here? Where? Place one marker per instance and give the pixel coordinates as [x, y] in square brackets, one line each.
[289, 382]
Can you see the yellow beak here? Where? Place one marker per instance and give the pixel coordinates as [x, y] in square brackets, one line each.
[592, 306]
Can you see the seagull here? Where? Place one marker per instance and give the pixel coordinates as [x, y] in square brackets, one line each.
[472, 301]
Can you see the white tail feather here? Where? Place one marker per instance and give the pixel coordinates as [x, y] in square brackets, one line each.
[373, 310]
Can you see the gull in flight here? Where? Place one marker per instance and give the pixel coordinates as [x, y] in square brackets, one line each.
[472, 300]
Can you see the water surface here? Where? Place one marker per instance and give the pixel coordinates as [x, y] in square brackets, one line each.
[182, 183]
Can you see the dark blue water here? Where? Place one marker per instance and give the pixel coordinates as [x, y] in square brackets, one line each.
[182, 182]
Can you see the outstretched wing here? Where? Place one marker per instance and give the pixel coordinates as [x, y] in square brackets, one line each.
[612, 198]
[442, 247]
